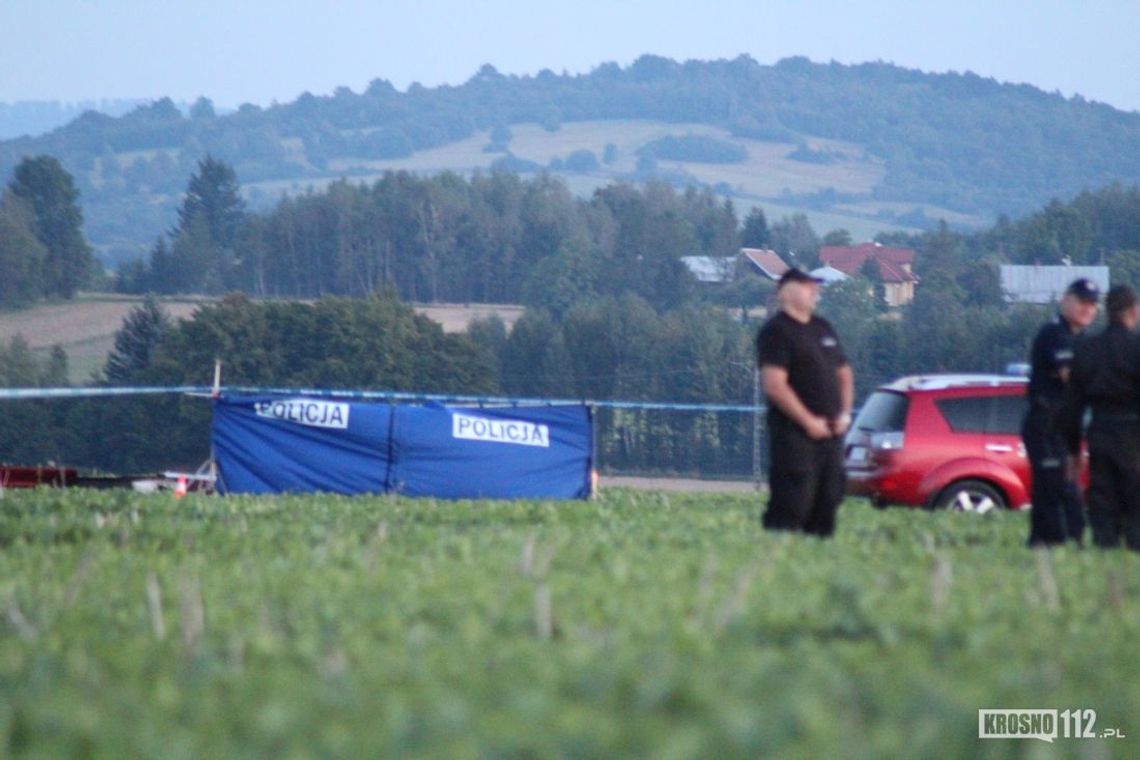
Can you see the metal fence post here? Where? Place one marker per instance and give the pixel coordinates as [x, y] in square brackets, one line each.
[757, 463]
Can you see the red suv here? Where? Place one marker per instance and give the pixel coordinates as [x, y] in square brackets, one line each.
[942, 441]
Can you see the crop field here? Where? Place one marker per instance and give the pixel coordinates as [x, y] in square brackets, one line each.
[761, 179]
[85, 328]
[637, 624]
[766, 172]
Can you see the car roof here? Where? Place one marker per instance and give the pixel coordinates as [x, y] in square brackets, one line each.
[937, 382]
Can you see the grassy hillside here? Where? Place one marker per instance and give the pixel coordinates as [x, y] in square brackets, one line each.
[634, 625]
[768, 173]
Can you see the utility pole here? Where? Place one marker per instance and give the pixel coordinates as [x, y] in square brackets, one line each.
[757, 463]
[757, 424]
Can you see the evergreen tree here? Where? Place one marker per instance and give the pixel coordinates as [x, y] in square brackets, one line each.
[142, 332]
[795, 240]
[755, 233]
[873, 273]
[1124, 266]
[55, 369]
[214, 195]
[840, 237]
[210, 222]
[18, 367]
[28, 435]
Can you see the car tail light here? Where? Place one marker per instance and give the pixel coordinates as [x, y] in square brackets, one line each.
[885, 441]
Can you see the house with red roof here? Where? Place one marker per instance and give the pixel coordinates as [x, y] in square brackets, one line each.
[764, 262]
[895, 267]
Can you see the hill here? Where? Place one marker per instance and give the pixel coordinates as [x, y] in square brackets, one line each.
[872, 143]
[32, 117]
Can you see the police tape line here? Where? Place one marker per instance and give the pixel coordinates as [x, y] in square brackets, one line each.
[391, 396]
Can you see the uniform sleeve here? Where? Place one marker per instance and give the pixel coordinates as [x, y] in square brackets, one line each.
[772, 347]
[1053, 350]
[1070, 420]
[1136, 373]
[1038, 360]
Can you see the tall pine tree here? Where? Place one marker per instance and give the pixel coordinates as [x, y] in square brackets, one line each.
[143, 330]
[210, 223]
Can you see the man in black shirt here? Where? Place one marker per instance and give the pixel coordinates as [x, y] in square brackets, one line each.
[810, 389]
[1106, 377]
[1057, 512]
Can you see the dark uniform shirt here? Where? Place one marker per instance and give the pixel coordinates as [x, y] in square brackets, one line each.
[1052, 351]
[810, 352]
[1106, 377]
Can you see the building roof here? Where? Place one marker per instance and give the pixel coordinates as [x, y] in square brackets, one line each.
[894, 263]
[1046, 284]
[710, 268]
[767, 262]
[829, 274]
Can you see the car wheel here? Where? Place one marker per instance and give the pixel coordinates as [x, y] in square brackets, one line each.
[970, 496]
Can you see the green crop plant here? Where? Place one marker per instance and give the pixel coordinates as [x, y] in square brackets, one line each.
[638, 624]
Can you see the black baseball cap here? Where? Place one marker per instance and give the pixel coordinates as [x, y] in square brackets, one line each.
[796, 275]
[1084, 289]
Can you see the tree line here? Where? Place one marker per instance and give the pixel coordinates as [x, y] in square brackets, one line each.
[609, 347]
[375, 343]
[611, 312]
[499, 237]
[489, 238]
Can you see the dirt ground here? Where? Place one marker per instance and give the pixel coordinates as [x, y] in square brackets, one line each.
[677, 484]
[455, 316]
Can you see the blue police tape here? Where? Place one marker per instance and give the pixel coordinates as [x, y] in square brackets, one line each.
[46, 393]
[401, 396]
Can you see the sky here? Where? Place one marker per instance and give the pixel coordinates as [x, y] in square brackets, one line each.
[266, 51]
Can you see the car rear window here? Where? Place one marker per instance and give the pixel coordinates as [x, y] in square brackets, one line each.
[965, 415]
[984, 414]
[884, 412]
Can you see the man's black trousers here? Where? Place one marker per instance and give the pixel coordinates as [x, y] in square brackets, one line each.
[1057, 513]
[806, 480]
[1114, 482]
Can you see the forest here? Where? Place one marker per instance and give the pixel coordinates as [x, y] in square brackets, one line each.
[956, 141]
[316, 292]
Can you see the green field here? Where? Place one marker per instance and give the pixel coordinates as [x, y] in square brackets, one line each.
[639, 624]
[761, 179]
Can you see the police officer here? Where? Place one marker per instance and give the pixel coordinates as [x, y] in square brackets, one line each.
[1057, 512]
[810, 389]
[1106, 377]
